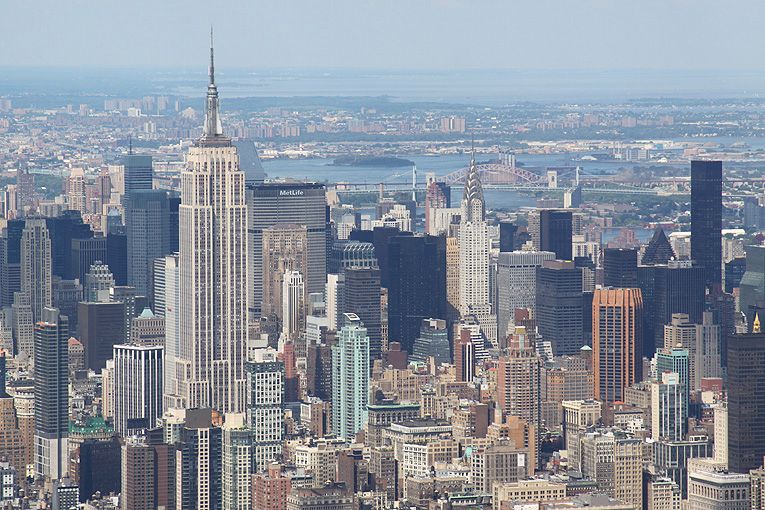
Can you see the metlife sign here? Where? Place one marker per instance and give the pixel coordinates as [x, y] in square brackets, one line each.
[291, 192]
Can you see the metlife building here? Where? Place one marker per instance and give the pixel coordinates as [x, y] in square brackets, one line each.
[296, 203]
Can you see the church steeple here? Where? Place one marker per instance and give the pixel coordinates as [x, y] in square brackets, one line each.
[473, 204]
[213, 128]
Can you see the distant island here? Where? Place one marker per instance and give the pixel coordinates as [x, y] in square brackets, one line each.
[379, 161]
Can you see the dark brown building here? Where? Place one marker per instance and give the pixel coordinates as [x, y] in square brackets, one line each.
[101, 326]
[148, 476]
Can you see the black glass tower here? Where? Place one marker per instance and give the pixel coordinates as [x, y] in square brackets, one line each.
[559, 306]
[62, 229]
[380, 237]
[416, 285]
[706, 219]
[507, 234]
[746, 405]
[620, 268]
[667, 289]
[555, 231]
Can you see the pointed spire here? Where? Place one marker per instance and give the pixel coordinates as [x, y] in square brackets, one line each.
[756, 326]
[213, 129]
[473, 205]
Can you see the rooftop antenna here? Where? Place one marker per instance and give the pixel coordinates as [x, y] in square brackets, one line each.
[212, 63]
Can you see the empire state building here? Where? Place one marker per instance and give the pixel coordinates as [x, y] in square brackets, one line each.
[209, 354]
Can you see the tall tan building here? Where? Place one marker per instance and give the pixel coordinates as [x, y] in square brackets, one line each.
[628, 471]
[617, 341]
[12, 445]
[453, 277]
[213, 271]
[284, 249]
[702, 341]
[519, 379]
[75, 192]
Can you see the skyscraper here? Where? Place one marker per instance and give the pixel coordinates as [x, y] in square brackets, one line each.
[674, 288]
[617, 325]
[213, 270]
[464, 356]
[416, 286]
[172, 331]
[76, 198]
[36, 270]
[265, 407]
[84, 253]
[117, 255]
[474, 256]
[620, 268]
[51, 394]
[474, 245]
[508, 232]
[102, 326]
[302, 204]
[517, 284]
[752, 286]
[746, 407]
[199, 462]
[706, 219]
[437, 196]
[138, 172]
[62, 229]
[293, 305]
[669, 403]
[138, 380]
[236, 464]
[551, 230]
[350, 378]
[10, 261]
[147, 224]
[361, 297]
[284, 248]
[559, 306]
[519, 379]
[15, 450]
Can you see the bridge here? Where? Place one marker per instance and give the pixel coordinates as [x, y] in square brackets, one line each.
[406, 187]
[497, 172]
[504, 175]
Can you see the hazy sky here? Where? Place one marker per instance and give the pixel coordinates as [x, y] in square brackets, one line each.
[441, 34]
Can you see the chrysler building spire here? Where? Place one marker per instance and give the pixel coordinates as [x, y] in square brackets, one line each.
[473, 206]
[213, 127]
